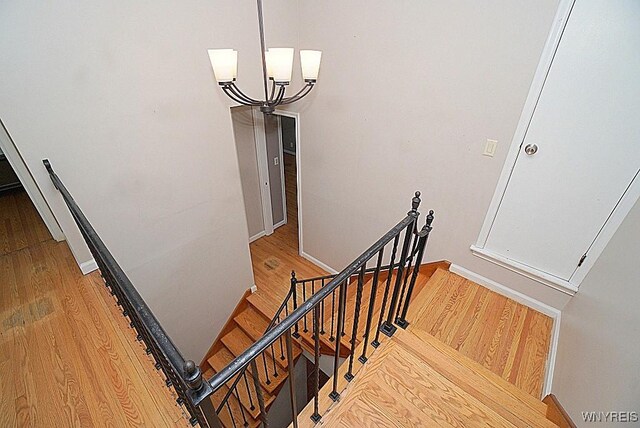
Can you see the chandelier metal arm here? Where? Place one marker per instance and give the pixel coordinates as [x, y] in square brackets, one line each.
[238, 93]
[230, 94]
[279, 97]
[301, 94]
[273, 90]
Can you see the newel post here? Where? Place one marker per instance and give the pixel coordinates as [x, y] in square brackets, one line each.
[423, 236]
[199, 393]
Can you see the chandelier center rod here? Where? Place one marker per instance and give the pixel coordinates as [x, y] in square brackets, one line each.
[263, 51]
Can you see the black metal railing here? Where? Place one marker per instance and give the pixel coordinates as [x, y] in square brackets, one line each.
[242, 383]
[183, 375]
[320, 305]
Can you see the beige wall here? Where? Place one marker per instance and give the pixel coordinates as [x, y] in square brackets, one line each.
[407, 96]
[597, 364]
[244, 136]
[121, 97]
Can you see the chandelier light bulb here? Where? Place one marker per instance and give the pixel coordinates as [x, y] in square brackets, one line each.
[310, 63]
[225, 64]
[281, 63]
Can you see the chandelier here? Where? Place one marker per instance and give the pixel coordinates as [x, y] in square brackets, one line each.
[277, 67]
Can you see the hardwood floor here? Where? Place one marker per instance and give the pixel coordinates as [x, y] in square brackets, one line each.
[20, 223]
[416, 378]
[276, 255]
[67, 355]
[418, 381]
[510, 339]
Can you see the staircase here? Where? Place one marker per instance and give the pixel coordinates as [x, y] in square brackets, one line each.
[414, 379]
[411, 378]
[252, 317]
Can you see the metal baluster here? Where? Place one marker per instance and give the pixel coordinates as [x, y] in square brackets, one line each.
[282, 357]
[244, 417]
[304, 299]
[292, 381]
[294, 292]
[402, 321]
[258, 388]
[266, 370]
[356, 316]
[322, 313]
[372, 302]
[408, 272]
[335, 395]
[388, 328]
[315, 417]
[233, 420]
[376, 341]
[333, 314]
[246, 384]
[273, 358]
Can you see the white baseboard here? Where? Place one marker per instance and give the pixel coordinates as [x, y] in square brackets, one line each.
[319, 263]
[280, 223]
[256, 236]
[537, 305]
[289, 152]
[88, 266]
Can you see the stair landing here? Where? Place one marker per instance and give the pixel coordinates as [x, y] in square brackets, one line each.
[470, 357]
[418, 381]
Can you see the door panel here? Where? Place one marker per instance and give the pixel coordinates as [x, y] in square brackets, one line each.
[274, 162]
[587, 129]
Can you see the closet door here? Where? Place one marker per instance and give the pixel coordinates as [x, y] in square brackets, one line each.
[581, 150]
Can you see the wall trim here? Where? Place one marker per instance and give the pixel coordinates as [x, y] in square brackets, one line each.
[537, 305]
[543, 278]
[257, 236]
[88, 266]
[289, 152]
[280, 223]
[318, 263]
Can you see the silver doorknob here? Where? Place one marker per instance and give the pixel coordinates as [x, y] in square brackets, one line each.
[530, 149]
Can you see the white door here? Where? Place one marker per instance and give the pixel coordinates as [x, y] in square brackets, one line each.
[586, 129]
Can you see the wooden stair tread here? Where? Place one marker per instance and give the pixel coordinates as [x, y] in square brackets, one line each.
[237, 342]
[266, 305]
[504, 398]
[235, 408]
[219, 361]
[254, 325]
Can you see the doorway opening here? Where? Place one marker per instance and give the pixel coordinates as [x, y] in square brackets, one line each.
[268, 149]
[25, 218]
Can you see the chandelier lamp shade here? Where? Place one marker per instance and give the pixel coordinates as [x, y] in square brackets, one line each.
[277, 68]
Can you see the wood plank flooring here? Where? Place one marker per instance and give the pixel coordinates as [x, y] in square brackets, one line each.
[67, 355]
[510, 339]
[416, 381]
[20, 223]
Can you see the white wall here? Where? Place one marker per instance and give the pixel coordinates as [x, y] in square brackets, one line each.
[597, 367]
[120, 96]
[244, 136]
[408, 93]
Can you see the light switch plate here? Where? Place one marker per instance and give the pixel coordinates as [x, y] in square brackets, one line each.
[490, 147]
[276, 161]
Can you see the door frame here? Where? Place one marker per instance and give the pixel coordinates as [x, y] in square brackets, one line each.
[284, 192]
[618, 214]
[296, 117]
[10, 150]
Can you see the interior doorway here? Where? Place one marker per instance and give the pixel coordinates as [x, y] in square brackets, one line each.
[25, 217]
[268, 148]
